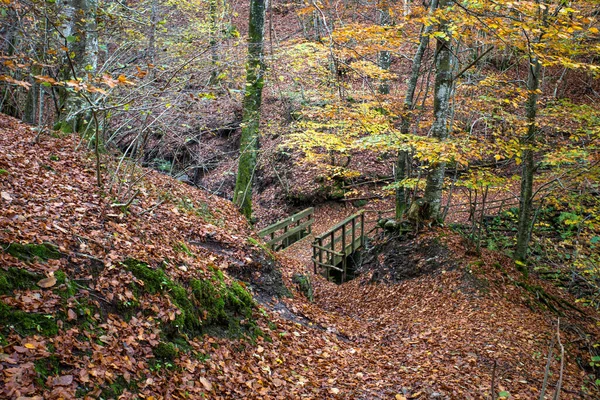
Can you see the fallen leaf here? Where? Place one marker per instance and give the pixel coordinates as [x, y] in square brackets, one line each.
[47, 282]
[6, 196]
[64, 380]
[72, 315]
[207, 385]
[30, 345]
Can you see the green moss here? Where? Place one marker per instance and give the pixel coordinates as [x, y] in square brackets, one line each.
[65, 288]
[155, 280]
[54, 157]
[226, 310]
[182, 248]
[115, 389]
[304, 285]
[27, 323]
[32, 252]
[3, 172]
[17, 279]
[211, 304]
[46, 367]
[61, 277]
[165, 351]
[127, 309]
[212, 307]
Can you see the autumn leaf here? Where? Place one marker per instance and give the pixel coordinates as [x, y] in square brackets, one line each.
[47, 282]
[206, 383]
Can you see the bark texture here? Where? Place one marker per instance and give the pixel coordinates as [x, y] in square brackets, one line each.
[255, 68]
[81, 32]
[402, 164]
[441, 107]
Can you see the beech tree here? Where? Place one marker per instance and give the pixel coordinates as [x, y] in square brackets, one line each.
[402, 165]
[80, 37]
[441, 106]
[255, 69]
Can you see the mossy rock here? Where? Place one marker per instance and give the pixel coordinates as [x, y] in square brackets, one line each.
[32, 252]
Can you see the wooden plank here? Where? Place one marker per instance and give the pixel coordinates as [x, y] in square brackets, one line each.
[338, 226]
[328, 266]
[339, 238]
[316, 246]
[289, 233]
[337, 258]
[286, 222]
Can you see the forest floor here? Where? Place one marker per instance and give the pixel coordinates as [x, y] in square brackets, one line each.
[90, 326]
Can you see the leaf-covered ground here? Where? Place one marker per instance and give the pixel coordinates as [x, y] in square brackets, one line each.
[104, 299]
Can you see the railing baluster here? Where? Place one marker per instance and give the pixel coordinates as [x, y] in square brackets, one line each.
[353, 234]
[343, 252]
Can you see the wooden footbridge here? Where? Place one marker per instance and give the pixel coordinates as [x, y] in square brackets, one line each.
[332, 251]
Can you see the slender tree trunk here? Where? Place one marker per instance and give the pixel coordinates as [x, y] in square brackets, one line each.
[384, 58]
[255, 68]
[214, 53]
[81, 31]
[402, 164]
[8, 47]
[441, 106]
[528, 142]
[152, 36]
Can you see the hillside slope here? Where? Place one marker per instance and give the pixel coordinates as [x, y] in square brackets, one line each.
[103, 297]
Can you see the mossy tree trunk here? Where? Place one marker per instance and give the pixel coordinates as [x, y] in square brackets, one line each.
[441, 106]
[402, 164]
[255, 68]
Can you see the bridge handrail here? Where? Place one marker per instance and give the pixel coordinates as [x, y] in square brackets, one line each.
[269, 231]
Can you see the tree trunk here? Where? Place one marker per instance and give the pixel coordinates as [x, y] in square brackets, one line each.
[214, 53]
[82, 37]
[402, 165]
[441, 105]
[384, 57]
[255, 67]
[152, 35]
[528, 168]
[528, 142]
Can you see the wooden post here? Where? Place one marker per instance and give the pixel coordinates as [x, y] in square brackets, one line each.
[362, 229]
[320, 253]
[343, 253]
[353, 234]
[332, 247]
[314, 258]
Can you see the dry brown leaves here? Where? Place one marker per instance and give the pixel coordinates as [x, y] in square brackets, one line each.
[434, 336]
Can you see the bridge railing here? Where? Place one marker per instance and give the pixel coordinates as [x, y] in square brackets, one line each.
[289, 230]
[333, 247]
